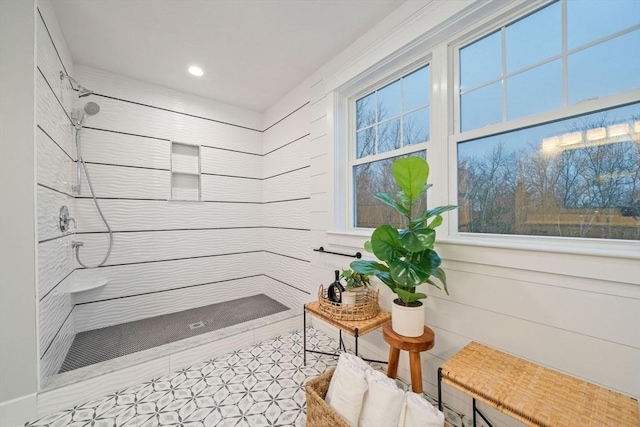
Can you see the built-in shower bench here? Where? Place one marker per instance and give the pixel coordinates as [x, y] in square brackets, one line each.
[533, 394]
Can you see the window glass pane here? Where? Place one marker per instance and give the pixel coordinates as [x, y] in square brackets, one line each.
[588, 21]
[481, 61]
[578, 177]
[415, 89]
[389, 101]
[534, 38]
[535, 91]
[481, 107]
[365, 142]
[370, 179]
[605, 69]
[389, 135]
[415, 127]
[366, 111]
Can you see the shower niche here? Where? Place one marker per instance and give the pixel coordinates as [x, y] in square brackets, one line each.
[186, 183]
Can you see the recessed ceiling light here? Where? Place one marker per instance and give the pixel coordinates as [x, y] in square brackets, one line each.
[196, 71]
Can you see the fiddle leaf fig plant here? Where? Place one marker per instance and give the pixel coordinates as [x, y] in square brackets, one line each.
[406, 257]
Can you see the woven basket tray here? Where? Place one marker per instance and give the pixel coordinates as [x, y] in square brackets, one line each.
[319, 413]
[366, 306]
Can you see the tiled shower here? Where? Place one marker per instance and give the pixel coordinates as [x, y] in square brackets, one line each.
[207, 203]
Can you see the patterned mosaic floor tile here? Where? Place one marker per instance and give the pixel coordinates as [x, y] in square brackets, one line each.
[261, 385]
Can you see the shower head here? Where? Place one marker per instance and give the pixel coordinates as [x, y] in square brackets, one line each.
[91, 108]
[82, 91]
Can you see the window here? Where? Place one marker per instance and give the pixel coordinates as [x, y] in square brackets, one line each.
[563, 54]
[390, 122]
[577, 177]
[570, 74]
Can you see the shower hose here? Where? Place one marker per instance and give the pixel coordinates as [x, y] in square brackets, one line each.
[95, 200]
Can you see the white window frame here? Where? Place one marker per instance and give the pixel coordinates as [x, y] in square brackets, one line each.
[441, 56]
[578, 245]
[352, 161]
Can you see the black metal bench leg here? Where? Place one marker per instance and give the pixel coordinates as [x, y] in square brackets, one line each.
[304, 336]
[440, 389]
[356, 341]
[474, 412]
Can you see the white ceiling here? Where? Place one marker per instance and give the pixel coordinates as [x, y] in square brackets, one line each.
[253, 52]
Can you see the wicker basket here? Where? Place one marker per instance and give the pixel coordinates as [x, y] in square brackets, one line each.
[319, 413]
[366, 306]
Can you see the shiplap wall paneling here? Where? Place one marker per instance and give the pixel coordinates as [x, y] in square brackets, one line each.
[288, 158]
[288, 128]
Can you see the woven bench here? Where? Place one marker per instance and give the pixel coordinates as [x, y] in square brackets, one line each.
[532, 394]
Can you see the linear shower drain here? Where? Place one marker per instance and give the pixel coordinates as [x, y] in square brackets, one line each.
[196, 325]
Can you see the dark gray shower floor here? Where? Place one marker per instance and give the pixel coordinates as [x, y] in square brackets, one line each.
[108, 343]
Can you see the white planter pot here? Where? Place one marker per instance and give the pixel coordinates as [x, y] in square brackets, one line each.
[407, 321]
[349, 298]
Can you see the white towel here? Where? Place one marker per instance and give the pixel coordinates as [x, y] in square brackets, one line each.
[347, 388]
[383, 401]
[419, 412]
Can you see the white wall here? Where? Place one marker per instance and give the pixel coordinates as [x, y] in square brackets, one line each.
[286, 195]
[55, 156]
[167, 255]
[576, 311]
[18, 353]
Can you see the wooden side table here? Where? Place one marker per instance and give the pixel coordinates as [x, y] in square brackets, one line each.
[355, 328]
[414, 346]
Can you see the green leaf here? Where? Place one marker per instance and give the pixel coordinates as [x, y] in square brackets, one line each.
[407, 296]
[387, 280]
[388, 200]
[428, 261]
[440, 274]
[411, 174]
[384, 242]
[416, 240]
[435, 211]
[406, 274]
[437, 221]
[367, 246]
[432, 283]
[364, 266]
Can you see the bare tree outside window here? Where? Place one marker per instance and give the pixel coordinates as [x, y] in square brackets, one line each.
[581, 180]
[390, 118]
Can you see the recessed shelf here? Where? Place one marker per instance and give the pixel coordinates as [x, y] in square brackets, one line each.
[185, 172]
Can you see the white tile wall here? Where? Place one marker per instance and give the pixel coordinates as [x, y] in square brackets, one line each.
[54, 152]
[136, 279]
[137, 215]
[127, 150]
[104, 313]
